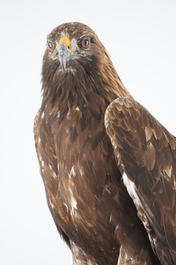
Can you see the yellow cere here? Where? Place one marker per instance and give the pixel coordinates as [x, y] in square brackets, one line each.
[65, 40]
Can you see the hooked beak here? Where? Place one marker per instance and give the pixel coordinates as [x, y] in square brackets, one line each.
[64, 51]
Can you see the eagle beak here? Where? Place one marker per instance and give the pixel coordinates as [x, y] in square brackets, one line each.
[64, 51]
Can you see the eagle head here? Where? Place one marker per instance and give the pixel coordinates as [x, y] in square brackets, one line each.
[76, 58]
[74, 44]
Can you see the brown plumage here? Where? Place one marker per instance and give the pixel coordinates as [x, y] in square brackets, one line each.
[85, 163]
[146, 155]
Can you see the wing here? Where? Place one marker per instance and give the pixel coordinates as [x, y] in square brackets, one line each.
[146, 156]
[44, 145]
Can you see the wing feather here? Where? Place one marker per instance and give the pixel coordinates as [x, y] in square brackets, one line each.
[44, 145]
[146, 152]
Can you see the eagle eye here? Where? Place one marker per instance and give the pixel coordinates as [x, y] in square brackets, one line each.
[85, 43]
[51, 45]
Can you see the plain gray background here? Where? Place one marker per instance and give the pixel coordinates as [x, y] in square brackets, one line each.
[140, 37]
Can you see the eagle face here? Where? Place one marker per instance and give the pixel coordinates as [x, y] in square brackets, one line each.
[69, 43]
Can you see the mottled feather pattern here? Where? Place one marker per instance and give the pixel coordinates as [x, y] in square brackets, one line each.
[95, 166]
[145, 151]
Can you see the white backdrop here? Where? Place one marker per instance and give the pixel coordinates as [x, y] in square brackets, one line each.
[140, 37]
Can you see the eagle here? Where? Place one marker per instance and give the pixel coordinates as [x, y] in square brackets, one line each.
[108, 166]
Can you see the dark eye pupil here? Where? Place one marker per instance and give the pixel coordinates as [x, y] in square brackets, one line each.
[50, 45]
[86, 42]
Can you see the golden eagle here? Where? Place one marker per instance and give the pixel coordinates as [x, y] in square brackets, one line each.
[108, 166]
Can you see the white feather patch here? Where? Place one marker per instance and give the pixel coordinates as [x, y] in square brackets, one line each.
[131, 190]
[51, 204]
[73, 204]
[72, 172]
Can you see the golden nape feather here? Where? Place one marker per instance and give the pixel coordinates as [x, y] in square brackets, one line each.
[107, 164]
